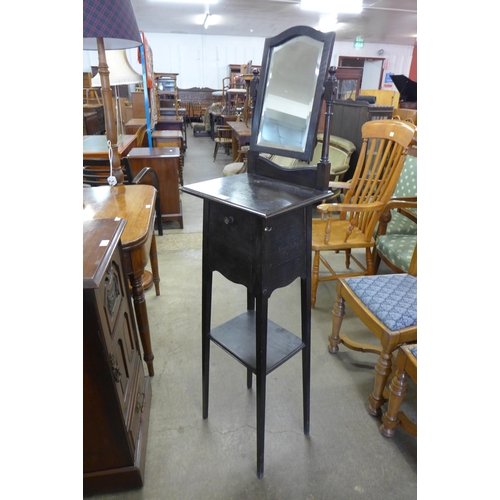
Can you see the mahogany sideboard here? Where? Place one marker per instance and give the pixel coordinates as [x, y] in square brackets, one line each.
[116, 393]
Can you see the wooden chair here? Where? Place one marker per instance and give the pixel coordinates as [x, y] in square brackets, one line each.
[224, 138]
[393, 248]
[383, 152]
[406, 362]
[96, 173]
[196, 114]
[387, 305]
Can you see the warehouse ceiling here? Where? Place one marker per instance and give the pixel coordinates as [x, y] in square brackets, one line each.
[381, 21]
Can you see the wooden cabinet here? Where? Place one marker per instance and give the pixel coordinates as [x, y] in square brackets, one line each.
[116, 394]
[166, 162]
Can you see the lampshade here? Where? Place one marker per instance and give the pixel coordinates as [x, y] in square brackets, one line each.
[113, 21]
[120, 71]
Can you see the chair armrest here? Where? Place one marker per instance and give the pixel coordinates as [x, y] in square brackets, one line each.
[402, 205]
[147, 170]
[339, 185]
[325, 208]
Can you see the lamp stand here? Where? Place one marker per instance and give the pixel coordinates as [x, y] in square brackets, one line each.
[109, 117]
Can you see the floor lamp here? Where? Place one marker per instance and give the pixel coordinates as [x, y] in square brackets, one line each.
[120, 73]
[109, 25]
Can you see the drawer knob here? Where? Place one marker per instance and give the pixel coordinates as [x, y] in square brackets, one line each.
[228, 220]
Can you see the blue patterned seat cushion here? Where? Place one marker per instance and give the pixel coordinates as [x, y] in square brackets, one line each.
[392, 298]
[413, 350]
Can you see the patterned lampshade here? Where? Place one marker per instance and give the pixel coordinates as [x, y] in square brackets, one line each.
[113, 21]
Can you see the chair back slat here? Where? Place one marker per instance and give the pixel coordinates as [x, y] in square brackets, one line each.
[381, 159]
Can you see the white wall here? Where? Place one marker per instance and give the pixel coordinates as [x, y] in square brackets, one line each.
[203, 60]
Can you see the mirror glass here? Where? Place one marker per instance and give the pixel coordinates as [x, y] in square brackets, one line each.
[289, 93]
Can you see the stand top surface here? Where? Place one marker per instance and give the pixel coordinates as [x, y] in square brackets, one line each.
[255, 194]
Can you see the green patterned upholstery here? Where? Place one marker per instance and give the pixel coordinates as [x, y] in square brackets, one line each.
[407, 184]
[405, 188]
[397, 244]
[397, 249]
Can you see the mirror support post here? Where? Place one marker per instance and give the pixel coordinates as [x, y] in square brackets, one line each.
[330, 90]
[254, 88]
[323, 167]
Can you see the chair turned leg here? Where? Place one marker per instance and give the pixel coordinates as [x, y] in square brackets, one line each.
[315, 279]
[390, 419]
[370, 266]
[347, 258]
[215, 149]
[338, 315]
[382, 372]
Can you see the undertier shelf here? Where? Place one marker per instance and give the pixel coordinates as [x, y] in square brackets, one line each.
[237, 338]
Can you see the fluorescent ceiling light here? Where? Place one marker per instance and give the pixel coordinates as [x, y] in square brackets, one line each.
[208, 20]
[206, 23]
[333, 6]
[327, 23]
[188, 1]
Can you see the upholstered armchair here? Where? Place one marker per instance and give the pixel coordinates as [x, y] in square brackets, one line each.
[396, 235]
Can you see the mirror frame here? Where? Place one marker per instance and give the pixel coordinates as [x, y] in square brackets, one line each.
[270, 43]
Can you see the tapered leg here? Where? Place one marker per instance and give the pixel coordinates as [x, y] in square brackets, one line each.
[382, 371]
[206, 312]
[338, 315]
[153, 257]
[250, 307]
[261, 362]
[306, 351]
[141, 314]
[397, 389]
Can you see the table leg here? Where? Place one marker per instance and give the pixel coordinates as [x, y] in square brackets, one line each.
[235, 146]
[250, 307]
[141, 315]
[206, 313]
[153, 257]
[306, 351]
[261, 362]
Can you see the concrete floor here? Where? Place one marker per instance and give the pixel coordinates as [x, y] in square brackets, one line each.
[345, 456]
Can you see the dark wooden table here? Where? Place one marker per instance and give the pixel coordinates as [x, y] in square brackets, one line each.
[257, 232]
[134, 203]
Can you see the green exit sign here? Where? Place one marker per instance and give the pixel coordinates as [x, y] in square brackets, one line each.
[358, 43]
